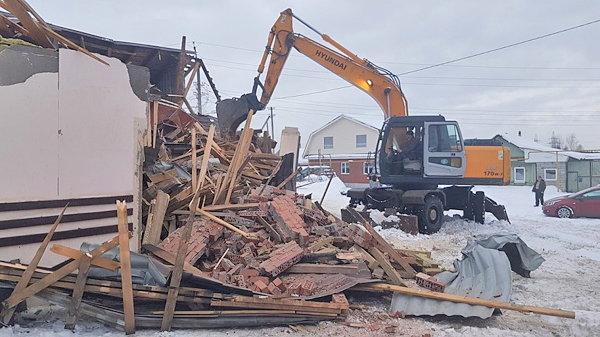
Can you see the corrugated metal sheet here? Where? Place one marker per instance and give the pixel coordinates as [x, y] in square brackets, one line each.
[482, 273]
[523, 260]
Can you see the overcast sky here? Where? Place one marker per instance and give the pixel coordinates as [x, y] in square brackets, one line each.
[552, 84]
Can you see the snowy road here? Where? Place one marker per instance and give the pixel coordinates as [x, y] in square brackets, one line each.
[569, 279]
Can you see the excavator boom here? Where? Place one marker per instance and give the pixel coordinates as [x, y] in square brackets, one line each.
[382, 85]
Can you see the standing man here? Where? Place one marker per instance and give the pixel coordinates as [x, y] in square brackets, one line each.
[539, 187]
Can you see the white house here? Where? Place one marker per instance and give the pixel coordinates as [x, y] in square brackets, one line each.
[346, 145]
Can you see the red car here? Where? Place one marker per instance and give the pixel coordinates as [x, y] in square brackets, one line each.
[584, 203]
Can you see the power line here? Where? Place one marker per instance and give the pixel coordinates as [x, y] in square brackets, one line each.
[501, 48]
[461, 58]
[335, 78]
[365, 108]
[403, 63]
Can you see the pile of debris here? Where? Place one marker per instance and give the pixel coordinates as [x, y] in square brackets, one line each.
[226, 242]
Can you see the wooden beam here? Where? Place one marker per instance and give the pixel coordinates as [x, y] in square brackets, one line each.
[72, 45]
[74, 254]
[327, 188]
[176, 274]
[194, 160]
[371, 262]
[387, 267]
[220, 194]
[181, 65]
[7, 312]
[189, 84]
[213, 208]
[226, 224]
[312, 268]
[382, 243]
[193, 206]
[273, 173]
[290, 177]
[170, 258]
[154, 122]
[124, 257]
[50, 279]
[84, 268]
[471, 300]
[36, 31]
[156, 218]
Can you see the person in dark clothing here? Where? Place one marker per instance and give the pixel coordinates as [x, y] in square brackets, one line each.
[411, 145]
[538, 188]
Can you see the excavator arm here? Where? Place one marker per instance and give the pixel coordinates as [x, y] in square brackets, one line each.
[382, 85]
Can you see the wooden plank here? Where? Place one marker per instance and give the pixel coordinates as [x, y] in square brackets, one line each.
[7, 312]
[371, 262]
[125, 259]
[189, 84]
[217, 208]
[427, 253]
[157, 178]
[320, 243]
[154, 122]
[276, 306]
[84, 268]
[194, 160]
[382, 243]
[290, 301]
[472, 300]
[47, 281]
[72, 45]
[226, 224]
[387, 266]
[327, 188]
[193, 206]
[311, 268]
[243, 157]
[290, 177]
[113, 289]
[170, 258]
[206, 156]
[176, 274]
[157, 217]
[74, 254]
[223, 188]
[227, 312]
[36, 31]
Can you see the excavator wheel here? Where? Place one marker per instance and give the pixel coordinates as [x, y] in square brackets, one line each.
[478, 206]
[431, 215]
[468, 212]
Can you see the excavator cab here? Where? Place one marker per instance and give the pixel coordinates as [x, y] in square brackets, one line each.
[415, 149]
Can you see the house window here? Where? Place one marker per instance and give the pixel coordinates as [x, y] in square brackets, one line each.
[519, 174]
[345, 168]
[367, 168]
[361, 141]
[550, 174]
[328, 142]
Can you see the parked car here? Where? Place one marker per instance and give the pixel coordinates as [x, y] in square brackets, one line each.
[584, 203]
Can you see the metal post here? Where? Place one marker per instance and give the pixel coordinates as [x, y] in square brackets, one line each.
[272, 124]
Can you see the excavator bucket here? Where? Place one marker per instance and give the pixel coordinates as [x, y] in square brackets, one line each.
[499, 211]
[232, 112]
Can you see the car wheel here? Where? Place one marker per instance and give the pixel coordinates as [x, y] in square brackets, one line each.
[564, 212]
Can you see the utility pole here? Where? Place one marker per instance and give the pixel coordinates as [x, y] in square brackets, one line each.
[198, 84]
[272, 124]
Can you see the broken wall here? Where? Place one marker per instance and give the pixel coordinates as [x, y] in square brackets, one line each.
[71, 132]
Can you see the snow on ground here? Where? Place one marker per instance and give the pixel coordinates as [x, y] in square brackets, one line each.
[569, 279]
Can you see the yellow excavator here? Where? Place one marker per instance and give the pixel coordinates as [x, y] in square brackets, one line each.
[414, 154]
